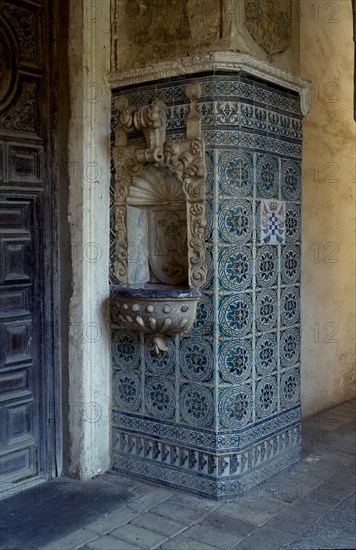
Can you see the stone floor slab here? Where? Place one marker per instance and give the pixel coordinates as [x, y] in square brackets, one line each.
[181, 542]
[72, 540]
[215, 537]
[336, 529]
[192, 501]
[158, 524]
[138, 536]
[274, 535]
[220, 521]
[296, 519]
[267, 502]
[330, 492]
[253, 542]
[107, 522]
[180, 513]
[247, 514]
[109, 543]
[343, 543]
[147, 501]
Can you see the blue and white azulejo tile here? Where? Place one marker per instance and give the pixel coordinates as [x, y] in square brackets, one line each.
[235, 268]
[236, 221]
[235, 360]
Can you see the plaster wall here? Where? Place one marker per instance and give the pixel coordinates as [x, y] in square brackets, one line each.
[328, 274]
[146, 32]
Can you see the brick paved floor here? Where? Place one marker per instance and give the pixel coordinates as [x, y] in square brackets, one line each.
[310, 505]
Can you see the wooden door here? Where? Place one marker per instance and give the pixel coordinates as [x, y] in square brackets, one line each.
[27, 249]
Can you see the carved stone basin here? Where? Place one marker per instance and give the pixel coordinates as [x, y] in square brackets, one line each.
[156, 309]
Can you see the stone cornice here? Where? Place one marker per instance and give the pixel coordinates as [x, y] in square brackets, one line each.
[216, 61]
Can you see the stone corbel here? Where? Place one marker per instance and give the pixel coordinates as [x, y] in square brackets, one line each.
[193, 120]
[151, 120]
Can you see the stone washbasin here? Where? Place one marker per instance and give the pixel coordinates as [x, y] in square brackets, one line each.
[156, 309]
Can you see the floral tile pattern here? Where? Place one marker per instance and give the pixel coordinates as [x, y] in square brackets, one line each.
[196, 405]
[159, 397]
[236, 361]
[235, 268]
[235, 407]
[196, 359]
[220, 410]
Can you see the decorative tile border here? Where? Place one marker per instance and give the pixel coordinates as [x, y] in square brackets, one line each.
[206, 474]
[208, 441]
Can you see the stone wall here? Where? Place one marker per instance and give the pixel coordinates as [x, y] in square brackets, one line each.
[146, 32]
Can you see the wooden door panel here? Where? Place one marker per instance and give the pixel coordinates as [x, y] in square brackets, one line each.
[17, 338]
[19, 464]
[16, 255]
[26, 229]
[20, 423]
[25, 163]
[15, 217]
[20, 368]
[14, 301]
[15, 384]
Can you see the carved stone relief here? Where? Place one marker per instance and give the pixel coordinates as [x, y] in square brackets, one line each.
[19, 58]
[269, 22]
[8, 71]
[23, 20]
[168, 245]
[22, 115]
[159, 220]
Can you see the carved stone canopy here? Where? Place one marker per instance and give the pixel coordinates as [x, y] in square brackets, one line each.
[159, 198]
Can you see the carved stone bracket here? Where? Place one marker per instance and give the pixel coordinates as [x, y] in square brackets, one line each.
[159, 172]
[150, 119]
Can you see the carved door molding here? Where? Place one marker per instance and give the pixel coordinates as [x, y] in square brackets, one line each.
[27, 257]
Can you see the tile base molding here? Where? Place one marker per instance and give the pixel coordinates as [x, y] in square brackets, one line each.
[216, 61]
[216, 476]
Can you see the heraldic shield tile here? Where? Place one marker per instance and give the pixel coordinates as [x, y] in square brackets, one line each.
[273, 222]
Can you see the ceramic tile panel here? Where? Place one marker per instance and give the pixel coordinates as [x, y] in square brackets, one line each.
[220, 410]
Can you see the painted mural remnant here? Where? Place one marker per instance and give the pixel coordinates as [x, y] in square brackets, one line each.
[269, 22]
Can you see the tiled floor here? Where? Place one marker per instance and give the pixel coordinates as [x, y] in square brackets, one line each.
[310, 505]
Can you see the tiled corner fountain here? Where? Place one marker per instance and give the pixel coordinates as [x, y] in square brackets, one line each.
[212, 408]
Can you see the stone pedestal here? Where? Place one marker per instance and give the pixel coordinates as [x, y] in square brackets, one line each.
[220, 410]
